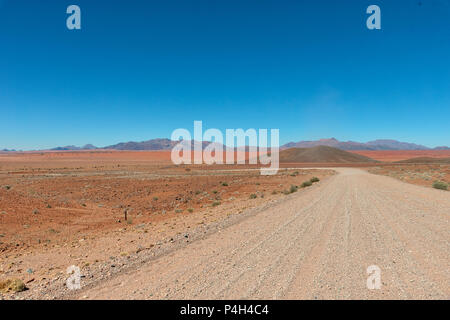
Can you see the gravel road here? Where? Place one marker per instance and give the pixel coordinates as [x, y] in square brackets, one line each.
[316, 244]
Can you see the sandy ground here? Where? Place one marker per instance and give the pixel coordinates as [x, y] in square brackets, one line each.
[62, 209]
[419, 174]
[311, 245]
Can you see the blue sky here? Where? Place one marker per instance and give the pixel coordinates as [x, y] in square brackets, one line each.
[140, 69]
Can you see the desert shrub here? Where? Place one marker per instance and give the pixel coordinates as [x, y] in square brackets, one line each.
[215, 203]
[293, 189]
[198, 192]
[314, 179]
[214, 191]
[224, 184]
[253, 196]
[12, 285]
[306, 184]
[440, 185]
[190, 210]
[155, 198]
[274, 192]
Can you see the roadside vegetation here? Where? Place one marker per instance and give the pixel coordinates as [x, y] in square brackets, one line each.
[440, 185]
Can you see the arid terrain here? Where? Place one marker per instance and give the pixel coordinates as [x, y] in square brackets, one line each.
[398, 155]
[68, 208]
[313, 245]
[140, 227]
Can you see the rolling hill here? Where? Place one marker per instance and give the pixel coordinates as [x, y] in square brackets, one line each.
[322, 154]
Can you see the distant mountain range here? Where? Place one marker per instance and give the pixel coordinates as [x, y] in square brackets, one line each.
[153, 144]
[167, 144]
[73, 148]
[352, 145]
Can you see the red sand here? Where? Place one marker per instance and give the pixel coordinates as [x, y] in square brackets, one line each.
[397, 155]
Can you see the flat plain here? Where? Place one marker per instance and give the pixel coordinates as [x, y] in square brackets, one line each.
[263, 233]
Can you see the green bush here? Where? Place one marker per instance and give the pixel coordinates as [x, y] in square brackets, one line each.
[293, 189]
[314, 179]
[216, 203]
[306, 184]
[253, 196]
[440, 185]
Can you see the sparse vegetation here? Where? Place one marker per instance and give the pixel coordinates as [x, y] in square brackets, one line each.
[12, 286]
[190, 210]
[440, 185]
[155, 198]
[253, 196]
[224, 184]
[306, 184]
[292, 189]
[215, 203]
[314, 179]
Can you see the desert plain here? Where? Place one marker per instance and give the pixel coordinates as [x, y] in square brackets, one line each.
[139, 226]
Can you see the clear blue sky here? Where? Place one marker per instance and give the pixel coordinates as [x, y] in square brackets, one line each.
[140, 69]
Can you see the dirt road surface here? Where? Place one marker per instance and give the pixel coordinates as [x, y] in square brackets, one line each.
[315, 244]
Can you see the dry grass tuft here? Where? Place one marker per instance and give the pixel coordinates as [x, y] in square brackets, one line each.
[12, 286]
